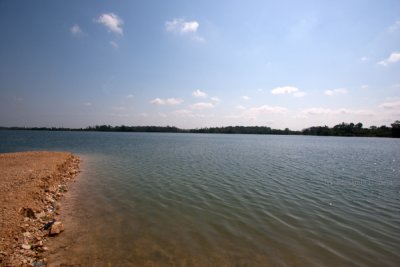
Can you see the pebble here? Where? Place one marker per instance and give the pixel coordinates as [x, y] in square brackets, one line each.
[40, 215]
[26, 246]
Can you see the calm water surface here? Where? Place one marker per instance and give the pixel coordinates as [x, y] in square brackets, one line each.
[227, 200]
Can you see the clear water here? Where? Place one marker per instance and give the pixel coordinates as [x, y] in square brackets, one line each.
[228, 200]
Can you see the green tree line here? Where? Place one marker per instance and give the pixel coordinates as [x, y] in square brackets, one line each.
[342, 129]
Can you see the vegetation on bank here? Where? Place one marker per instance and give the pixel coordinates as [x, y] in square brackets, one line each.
[342, 129]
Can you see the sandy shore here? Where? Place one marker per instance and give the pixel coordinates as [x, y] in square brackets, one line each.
[31, 185]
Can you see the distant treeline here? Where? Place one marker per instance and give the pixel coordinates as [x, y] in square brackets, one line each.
[343, 129]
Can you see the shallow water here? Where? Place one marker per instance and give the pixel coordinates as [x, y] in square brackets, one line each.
[227, 200]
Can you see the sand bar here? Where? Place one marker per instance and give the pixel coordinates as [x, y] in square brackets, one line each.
[31, 185]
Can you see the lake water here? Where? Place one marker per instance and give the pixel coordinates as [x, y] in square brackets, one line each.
[155, 199]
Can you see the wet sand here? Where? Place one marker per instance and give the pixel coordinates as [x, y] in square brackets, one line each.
[31, 186]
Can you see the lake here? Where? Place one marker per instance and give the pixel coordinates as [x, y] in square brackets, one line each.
[160, 199]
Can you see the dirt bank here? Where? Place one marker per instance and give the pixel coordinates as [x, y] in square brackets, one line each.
[31, 185]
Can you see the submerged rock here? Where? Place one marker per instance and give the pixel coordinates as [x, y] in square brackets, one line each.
[56, 228]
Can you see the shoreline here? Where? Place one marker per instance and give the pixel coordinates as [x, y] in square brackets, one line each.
[31, 187]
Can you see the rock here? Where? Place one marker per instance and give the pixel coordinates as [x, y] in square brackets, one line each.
[56, 228]
[39, 263]
[27, 234]
[48, 225]
[26, 246]
[40, 215]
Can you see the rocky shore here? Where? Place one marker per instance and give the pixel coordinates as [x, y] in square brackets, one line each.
[31, 185]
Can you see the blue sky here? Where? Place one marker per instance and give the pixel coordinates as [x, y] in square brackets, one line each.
[199, 63]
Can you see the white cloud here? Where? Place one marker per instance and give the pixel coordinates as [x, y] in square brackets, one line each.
[338, 91]
[290, 90]
[255, 112]
[183, 112]
[240, 107]
[268, 109]
[76, 30]
[198, 38]
[114, 44]
[118, 108]
[393, 58]
[341, 111]
[112, 22]
[394, 27]
[215, 99]
[199, 93]
[168, 101]
[190, 114]
[284, 90]
[391, 105]
[364, 59]
[364, 86]
[245, 97]
[181, 26]
[130, 96]
[202, 105]
[299, 94]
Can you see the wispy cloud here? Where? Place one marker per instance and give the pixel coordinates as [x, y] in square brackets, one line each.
[254, 112]
[202, 105]
[299, 94]
[394, 27]
[183, 112]
[288, 90]
[199, 93]
[338, 91]
[168, 101]
[114, 44]
[391, 105]
[118, 108]
[364, 86]
[183, 27]
[215, 99]
[112, 22]
[190, 114]
[393, 58]
[268, 109]
[245, 97]
[364, 59]
[130, 96]
[76, 31]
[87, 104]
[341, 111]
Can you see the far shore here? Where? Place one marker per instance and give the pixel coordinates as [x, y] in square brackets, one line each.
[31, 186]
